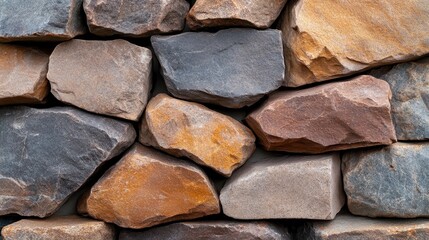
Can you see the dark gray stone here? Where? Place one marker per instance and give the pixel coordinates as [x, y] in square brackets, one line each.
[47, 154]
[388, 182]
[40, 20]
[210, 230]
[232, 68]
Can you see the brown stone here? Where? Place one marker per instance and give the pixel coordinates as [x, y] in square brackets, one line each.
[241, 13]
[183, 128]
[328, 39]
[105, 77]
[329, 117]
[146, 188]
[65, 227]
[22, 75]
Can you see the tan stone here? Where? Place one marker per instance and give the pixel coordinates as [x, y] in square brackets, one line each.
[65, 227]
[146, 188]
[22, 75]
[183, 128]
[328, 39]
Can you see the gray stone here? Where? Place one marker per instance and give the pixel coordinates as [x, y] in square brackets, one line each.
[388, 182]
[210, 230]
[307, 187]
[47, 154]
[40, 20]
[232, 68]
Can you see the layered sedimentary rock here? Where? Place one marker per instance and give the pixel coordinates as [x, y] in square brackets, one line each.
[135, 18]
[329, 39]
[41, 20]
[48, 154]
[118, 86]
[147, 188]
[329, 117]
[232, 68]
[189, 129]
[22, 74]
[388, 182]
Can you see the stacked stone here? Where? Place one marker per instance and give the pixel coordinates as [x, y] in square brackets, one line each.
[235, 116]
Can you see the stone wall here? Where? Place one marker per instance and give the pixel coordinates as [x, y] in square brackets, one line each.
[174, 119]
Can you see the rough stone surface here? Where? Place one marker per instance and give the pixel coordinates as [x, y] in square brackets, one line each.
[329, 117]
[329, 39]
[410, 102]
[119, 86]
[47, 154]
[210, 230]
[388, 182]
[189, 129]
[241, 13]
[232, 68]
[307, 187]
[67, 228]
[40, 20]
[22, 75]
[4, 221]
[135, 18]
[147, 188]
[349, 227]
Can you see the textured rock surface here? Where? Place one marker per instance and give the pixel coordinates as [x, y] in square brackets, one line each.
[346, 227]
[4, 221]
[410, 102]
[47, 154]
[67, 228]
[40, 20]
[119, 86]
[210, 230]
[285, 187]
[241, 13]
[232, 68]
[388, 182]
[329, 117]
[22, 74]
[320, 45]
[135, 18]
[189, 129]
[147, 188]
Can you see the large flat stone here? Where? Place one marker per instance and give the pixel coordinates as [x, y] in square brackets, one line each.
[48, 154]
[186, 129]
[135, 18]
[119, 86]
[232, 68]
[40, 20]
[329, 39]
[329, 117]
[388, 182]
[22, 74]
[146, 188]
[308, 187]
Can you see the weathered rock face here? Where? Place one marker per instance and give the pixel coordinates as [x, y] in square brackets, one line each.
[189, 129]
[69, 227]
[307, 187]
[232, 68]
[119, 86]
[410, 103]
[47, 154]
[210, 230]
[329, 117]
[388, 182]
[147, 188]
[22, 74]
[242, 13]
[329, 39]
[135, 18]
[345, 227]
[4, 221]
[41, 20]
